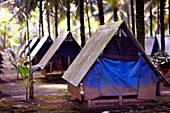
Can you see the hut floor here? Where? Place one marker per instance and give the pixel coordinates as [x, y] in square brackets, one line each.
[117, 100]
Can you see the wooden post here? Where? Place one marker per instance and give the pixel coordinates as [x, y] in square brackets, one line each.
[69, 61]
[43, 72]
[35, 60]
[89, 103]
[51, 68]
[120, 100]
[62, 72]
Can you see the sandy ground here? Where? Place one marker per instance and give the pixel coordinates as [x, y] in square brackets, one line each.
[52, 96]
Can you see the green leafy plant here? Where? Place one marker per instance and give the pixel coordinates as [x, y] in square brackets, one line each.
[15, 59]
[26, 74]
[161, 60]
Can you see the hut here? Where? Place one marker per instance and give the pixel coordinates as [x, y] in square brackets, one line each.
[112, 67]
[167, 42]
[40, 50]
[22, 49]
[60, 54]
[33, 44]
[151, 46]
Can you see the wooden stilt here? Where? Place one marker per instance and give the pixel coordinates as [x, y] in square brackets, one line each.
[43, 72]
[51, 68]
[68, 61]
[62, 72]
[89, 103]
[35, 60]
[120, 100]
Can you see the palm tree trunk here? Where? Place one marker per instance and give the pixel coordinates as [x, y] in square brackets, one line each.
[41, 31]
[169, 16]
[158, 16]
[68, 15]
[162, 5]
[82, 30]
[48, 17]
[140, 22]
[56, 20]
[151, 21]
[88, 18]
[101, 15]
[128, 18]
[115, 14]
[4, 43]
[91, 6]
[133, 20]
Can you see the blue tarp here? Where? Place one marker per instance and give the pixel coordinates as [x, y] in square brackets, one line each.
[113, 78]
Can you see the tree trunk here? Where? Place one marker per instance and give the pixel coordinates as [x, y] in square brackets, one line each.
[68, 15]
[56, 20]
[21, 36]
[48, 17]
[1, 58]
[128, 18]
[26, 95]
[82, 30]
[4, 43]
[151, 21]
[140, 22]
[88, 18]
[27, 88]
[91, 6]
[162, 5]
[1, 64]
[101, 15]
[115, 14]
[31, 89]
[158, 16]
[133, 20]
[41, 31]
[17, 74]
[169, 16]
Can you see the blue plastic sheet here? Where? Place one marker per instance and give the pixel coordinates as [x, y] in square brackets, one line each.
[114, 78]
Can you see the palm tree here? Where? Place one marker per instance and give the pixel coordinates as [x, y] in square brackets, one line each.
[101, 15]
[132, 16]
[115, 9]
[162, 5]
[48, 16]
[140, 21]
[88, 18]
[56, 19]
[169, 16]
[151, 20]
[82, 33]
[41, 29]
[1, 62]
[68, 15]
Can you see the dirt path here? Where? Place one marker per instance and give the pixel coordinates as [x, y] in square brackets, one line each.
[52, 96]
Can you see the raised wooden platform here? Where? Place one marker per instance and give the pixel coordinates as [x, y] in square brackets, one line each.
[118, 100]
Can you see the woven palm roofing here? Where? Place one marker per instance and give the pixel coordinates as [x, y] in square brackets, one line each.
[95, 46]
[65, 35]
